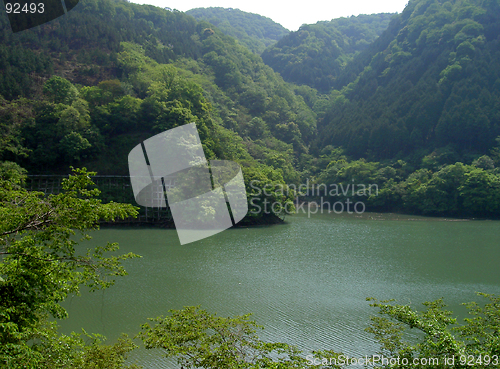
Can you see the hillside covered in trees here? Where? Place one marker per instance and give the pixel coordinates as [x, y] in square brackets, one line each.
[317, 53]
[430, 81]
[423, 98]
[252, 30]
[414, 111]
[82, 90]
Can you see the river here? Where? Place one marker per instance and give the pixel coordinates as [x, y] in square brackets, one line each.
[306, 281]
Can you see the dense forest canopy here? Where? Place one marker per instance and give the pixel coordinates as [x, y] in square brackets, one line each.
[114, 87]
[414, 111]
[420, 110]
[252, 30]
[317, 53]
[431, 82]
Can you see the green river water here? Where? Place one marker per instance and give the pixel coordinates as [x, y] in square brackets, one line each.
[306, 280]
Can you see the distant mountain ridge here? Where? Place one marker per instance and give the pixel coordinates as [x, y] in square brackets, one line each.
[316, 54]
[252, 30]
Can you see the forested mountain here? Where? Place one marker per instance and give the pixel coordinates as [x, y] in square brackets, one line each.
[430, 81]
[422, 103]
[252, 30]
[115, 86]
[317, 53]
[416, 112]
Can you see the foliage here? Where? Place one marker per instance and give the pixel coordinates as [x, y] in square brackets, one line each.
[165, 69]
[59, 134]
[60, 90]
[316, 54]
[12, 116]
[80, 351]
[252, 30]
[440, 190]
[42, 264]
[199, 339]
[19, 65]
[424, 93]
[473, 343]
[268, 195]
[229, 93]
[428, 82]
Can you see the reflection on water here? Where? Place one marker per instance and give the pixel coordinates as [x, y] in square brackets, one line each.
[306, 281]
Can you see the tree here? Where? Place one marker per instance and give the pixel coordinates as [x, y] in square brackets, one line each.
[477, 339]
[480, 191]
[72, 145]
[202, 340]
[12, 116]
[199, 339]
[60, 90]
[69, 121]
[42, 264]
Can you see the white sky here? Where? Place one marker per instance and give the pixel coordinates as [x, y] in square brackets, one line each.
[291, 15]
